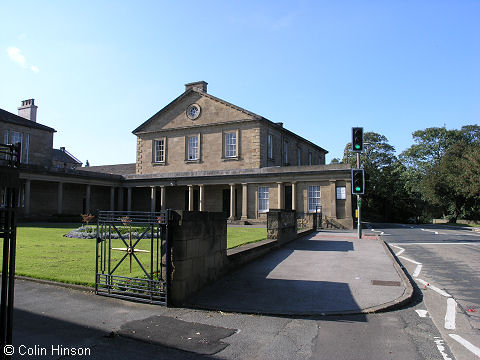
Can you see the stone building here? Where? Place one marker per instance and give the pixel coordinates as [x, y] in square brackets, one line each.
[203, 153]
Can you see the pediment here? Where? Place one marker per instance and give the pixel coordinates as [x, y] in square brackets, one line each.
[211, 111]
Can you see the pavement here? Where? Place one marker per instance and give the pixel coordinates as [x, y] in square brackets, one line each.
[330, 272]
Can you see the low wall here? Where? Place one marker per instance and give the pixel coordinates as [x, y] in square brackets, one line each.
[282, 225]
[465, 222]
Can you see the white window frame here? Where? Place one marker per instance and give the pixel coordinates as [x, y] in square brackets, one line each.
[193, 147]
[263, 199]
[231, 144]
[270, 146]
[341, 192]
[314, 197]
[159, 150]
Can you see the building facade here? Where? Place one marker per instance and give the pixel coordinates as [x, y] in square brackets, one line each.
[202, 153]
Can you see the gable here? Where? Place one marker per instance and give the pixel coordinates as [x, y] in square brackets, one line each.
[212, 111]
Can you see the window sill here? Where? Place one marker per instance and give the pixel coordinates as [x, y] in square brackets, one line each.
[233, 158]
[159, 163]
[198, 161]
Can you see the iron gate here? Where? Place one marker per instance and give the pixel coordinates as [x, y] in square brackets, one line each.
[9, 190]
[133, 256]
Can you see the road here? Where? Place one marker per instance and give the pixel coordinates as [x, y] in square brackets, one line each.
[444, 263]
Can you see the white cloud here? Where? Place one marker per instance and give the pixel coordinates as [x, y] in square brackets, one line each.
[16, 55]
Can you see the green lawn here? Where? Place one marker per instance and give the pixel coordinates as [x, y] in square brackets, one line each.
[43, 252]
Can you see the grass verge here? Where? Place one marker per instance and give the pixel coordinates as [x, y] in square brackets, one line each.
[44, 253]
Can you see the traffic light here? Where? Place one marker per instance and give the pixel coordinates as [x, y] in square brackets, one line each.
[358, 182]
[357, 139]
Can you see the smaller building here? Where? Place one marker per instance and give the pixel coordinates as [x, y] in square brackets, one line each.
[36, 139]
[62, 159]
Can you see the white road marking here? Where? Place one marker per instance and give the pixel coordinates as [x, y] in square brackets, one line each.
[417, 270]
[442, 243]
[441, 348]
[433, 231]
[410, 260]
[399, 248]
[434, 288]
[422, 313]
[466, 343]
[450, 315]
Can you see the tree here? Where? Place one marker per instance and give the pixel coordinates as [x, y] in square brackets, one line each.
[335, 161]
[442, 167]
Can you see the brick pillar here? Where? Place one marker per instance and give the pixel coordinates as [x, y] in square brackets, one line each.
[281, 196]
[294, 197]
[190, 197]
[232, 202]
[201, 205]
[153, 195]
[162, 198]
[244, 201]
[333, 199]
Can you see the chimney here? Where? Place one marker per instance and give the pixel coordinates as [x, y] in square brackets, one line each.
[199, 85]
[28, 110]
[62, 149]
[279, 124]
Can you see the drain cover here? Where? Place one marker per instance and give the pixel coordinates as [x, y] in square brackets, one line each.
[385, 283]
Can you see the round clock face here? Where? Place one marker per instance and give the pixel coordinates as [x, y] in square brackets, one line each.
[193, 111]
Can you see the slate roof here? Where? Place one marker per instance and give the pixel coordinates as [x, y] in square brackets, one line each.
[8, 117]
[64, 157]
[118, 169]
[255, 116]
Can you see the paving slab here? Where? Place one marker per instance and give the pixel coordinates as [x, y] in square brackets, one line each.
[330, 272]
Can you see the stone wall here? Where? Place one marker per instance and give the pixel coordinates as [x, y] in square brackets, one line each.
[199, 251]
[282, 225]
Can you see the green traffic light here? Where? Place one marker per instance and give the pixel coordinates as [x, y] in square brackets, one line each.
[357, 146]
[357, 188]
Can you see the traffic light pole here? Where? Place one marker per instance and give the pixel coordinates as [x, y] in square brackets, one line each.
[359, 204]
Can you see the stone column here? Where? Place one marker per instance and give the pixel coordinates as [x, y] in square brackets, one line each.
[201, 203]
[294, 197]
[112, 198]
[87, 199]
[190, 197]
[281, 196]
[244, 201]
[333, 199]
[232, 202]
[162, 198]
[348, 200]
[27, 197]
[129, 199]
[153, 195]
[60, 198]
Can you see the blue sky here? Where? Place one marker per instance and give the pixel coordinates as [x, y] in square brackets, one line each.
[98, 69]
